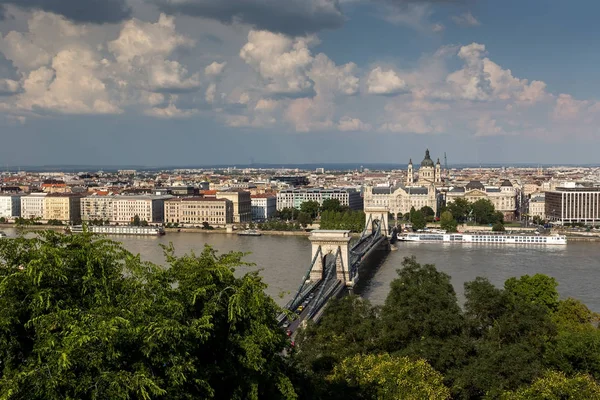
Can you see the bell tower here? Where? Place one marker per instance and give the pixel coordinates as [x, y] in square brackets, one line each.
[438, 172]
[410, 175]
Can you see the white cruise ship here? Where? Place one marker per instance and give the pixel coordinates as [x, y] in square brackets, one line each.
[438, 237]
[121, 230]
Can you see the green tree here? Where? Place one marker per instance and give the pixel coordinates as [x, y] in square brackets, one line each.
[557, 386]
[484, 211]
[427, 211]
[418, 220]
[331, 205]
[288, 214]
[348, 327]
[136, 220]
[144, 223]
[304, 219]
[82, 318]
[3, 220]
[537, 289]
[498, 227]
[421, 314]
[311, 207]
[460, 209]
[385, 377]
[447, 222]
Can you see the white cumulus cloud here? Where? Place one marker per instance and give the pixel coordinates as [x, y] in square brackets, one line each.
[385, 82]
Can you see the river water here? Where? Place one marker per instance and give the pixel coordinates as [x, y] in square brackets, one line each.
[283, 261]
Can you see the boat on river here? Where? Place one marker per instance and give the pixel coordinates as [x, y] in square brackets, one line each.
[438, 237]
[249, 232]
[121, 230]
[2, 235]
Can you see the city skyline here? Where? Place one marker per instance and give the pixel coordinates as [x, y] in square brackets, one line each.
[197, 83]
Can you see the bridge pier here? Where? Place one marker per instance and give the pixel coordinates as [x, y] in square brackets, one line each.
[376, 213]
[326, 242]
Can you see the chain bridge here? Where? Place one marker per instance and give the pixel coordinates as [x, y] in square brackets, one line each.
[336, 267]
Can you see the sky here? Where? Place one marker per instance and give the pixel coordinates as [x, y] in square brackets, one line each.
[200, 82]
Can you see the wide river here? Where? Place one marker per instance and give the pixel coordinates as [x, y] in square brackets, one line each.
[283, 260]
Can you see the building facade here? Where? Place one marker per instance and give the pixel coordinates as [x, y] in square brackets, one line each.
[194, 211]
[242, 204]
[537, 206]
[504, 198]
[32, 205]
[264, 206]
[399, 199]
[568, 205]
[10, 205]
[97, 207]
[63, 207]
[146, 208]
[293, 198]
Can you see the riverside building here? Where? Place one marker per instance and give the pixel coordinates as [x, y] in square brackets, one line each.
[293, 198]
[10, 206]
[32, 205]
[194, 211]
[63, 207]
[577, 204]
[264, 206]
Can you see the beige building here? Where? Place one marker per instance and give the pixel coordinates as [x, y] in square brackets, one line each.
[63, 207]
[194, 211]
[32, 205]
[504, 198]
[242, 204]
[97, 207]
[537, 206]
[400, 199]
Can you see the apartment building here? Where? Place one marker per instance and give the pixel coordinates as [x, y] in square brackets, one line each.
[264, 206]
[147, 208]
[573, 204]
[10, 205]
[194, 211]
[293, 198]
[32, 205]
[504, 197]
[242, 204]
[537, 206]
[97, 207]
[63, 207]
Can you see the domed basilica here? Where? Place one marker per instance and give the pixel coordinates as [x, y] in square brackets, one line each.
[429, 174]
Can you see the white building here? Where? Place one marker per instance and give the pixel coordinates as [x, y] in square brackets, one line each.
[123, 209]
[10, 205]
[537, 206]
[573, 204]
[293, 198]
[264, 206]
[32, 205]
[147, 208]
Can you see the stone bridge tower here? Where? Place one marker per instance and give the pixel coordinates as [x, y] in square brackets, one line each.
[325, 242]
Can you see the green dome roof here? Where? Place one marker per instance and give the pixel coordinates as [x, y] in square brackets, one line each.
[427, 162]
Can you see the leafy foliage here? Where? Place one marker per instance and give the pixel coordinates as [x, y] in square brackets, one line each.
[418, 220]
[386, 377]
[557, 386]
[311, 208]
[80, 317]
[447, 222]
[349, 220]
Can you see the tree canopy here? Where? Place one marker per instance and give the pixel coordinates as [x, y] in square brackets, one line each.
[82, 318]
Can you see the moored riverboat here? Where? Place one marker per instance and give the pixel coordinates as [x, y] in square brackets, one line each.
[121, 230]
[249, 232]
[436, 237]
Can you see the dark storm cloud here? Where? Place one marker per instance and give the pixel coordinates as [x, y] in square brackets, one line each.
[293, 17]
[94, 11]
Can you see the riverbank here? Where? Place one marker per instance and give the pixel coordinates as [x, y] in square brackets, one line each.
[223, 231]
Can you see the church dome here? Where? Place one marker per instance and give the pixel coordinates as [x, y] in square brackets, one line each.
[427, 161]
